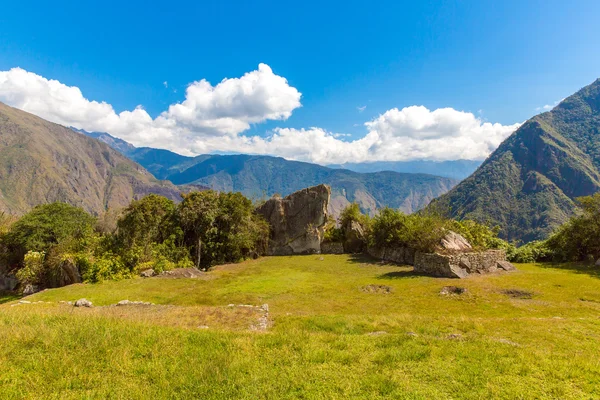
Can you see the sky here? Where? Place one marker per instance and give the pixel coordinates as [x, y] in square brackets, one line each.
[325, 82]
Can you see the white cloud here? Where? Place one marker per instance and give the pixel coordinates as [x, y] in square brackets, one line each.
[361, 109]
[213, 119]
[227, 108]
[166, 84]
[548, 107]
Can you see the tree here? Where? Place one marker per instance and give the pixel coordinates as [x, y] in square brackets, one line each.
[44, 227]
[145, 221]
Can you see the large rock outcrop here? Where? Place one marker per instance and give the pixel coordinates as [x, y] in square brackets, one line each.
[297, 221]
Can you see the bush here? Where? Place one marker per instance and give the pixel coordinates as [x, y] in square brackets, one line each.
[579, 238]
[32, 272]
[531, 252]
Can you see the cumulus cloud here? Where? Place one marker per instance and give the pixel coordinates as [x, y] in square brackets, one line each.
[227, 108]
[214, 119]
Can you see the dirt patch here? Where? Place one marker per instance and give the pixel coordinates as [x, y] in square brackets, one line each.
[376, 289]
[453, 290]
[184, 273]
[518, 294]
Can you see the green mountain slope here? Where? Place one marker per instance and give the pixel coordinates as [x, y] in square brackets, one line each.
[42, 162]
[259, 177]
[262, 176]
[527, 186]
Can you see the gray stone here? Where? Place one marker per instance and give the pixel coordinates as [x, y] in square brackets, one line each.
[147, 273]
[505, 265]
[297, 221]
[598, 262]
[30, 289]
[332, 248]
[83, 303]
[355, 238]
[8, 282]
[453, 242]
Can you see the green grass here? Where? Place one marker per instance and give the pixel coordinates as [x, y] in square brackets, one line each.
[482, 344]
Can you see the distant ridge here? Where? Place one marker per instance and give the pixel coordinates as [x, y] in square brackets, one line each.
[259, 177]
[528, 185]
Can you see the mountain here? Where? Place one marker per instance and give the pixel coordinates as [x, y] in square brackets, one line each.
[42, 162]
[457, 169]
[259, 177]
[528, 185]
[118, 144]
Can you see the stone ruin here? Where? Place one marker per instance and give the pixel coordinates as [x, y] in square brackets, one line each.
[297, 221]
[453, 258]
[297, 227]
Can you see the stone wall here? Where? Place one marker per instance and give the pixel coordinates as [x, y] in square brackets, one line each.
[332, 248]
[461, 265]
[399, 255]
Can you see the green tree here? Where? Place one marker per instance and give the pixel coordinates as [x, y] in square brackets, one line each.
[44, 227]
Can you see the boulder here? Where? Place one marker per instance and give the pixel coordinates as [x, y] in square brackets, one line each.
[30, 289]
[505, 265]
[598, 262]
[147, 273]
[355, 238]
[452, 242]
[67, 274]
[8, 282]
[297, 221]
[83, 303]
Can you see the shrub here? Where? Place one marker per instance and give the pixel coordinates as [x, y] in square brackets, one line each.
[33, 268]
[579, 238]
[531, 252]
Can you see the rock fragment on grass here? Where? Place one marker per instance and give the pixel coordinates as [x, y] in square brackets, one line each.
[449, 290]
[83, 303]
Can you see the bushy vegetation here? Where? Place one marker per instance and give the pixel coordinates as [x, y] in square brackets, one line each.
[424, 231]
[57, 244]
[579, 238]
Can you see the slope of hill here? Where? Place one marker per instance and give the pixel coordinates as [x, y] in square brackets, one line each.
[528, 185]
[457, 169]
[42, 162]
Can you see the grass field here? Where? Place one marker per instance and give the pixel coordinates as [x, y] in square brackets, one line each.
[339, 327]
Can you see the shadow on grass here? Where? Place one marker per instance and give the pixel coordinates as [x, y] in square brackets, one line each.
[5, 297]
[407, 272]
[400, 275]
[577, 267]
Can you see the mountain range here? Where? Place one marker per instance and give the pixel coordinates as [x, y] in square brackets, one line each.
[42, 162]
[528, 186]
[456, 169]
[259, 177]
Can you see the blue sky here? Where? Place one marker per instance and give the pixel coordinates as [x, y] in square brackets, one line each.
[499, 61]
